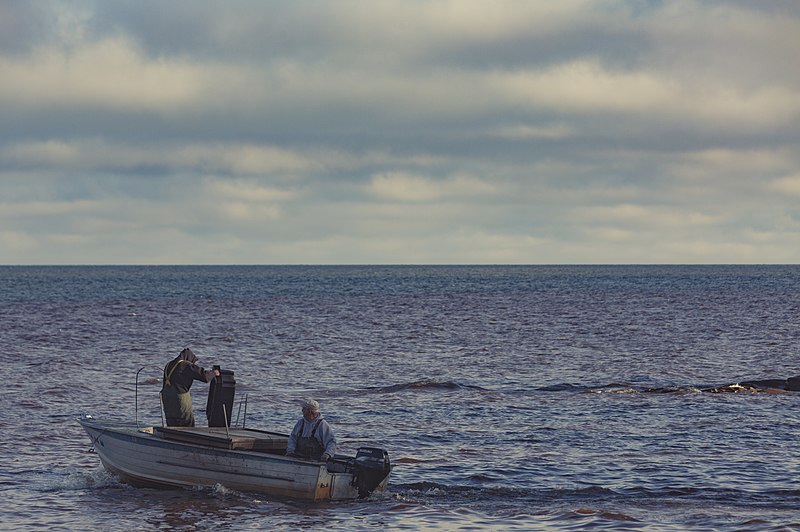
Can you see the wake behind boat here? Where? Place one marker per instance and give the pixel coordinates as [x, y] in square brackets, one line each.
[239, 458]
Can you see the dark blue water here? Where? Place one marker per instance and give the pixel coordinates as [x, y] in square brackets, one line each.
[509, 397]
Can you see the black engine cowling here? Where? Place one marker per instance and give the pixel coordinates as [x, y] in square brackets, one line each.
[371, 466]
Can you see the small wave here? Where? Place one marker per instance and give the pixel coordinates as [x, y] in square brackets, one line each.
[616, 388]
[656, 390]
[228, 339]
[605, 388]
[563, 387]
[613, 516]
[613, 390]
[490, 491]
[81, 479]
[784, 493]
[757, 522]
[424, 385]
[407, 460]
[421, 489]
[587, 496]
[219, 490]
[766, 386]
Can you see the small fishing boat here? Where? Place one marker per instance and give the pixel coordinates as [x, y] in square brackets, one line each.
[238, 458]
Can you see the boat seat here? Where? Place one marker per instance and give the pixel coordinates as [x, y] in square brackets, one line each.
[233, 438]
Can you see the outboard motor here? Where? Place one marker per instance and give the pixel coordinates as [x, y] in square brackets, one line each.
[370, 468]
[220, 393]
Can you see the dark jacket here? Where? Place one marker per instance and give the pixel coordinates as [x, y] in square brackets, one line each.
[180, 372]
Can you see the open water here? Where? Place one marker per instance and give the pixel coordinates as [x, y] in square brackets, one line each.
[509, 397]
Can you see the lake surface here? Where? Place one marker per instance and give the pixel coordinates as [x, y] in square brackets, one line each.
[508, 397]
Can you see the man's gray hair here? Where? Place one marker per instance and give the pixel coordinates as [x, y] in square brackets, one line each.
[311, 405]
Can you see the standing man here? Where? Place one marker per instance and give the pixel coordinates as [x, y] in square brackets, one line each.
[312, 437]
[179, 374]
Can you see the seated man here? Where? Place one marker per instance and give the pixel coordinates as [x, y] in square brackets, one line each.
[312, 437]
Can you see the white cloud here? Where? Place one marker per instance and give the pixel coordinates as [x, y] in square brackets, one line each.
[527, 132]
[583, 86]
[108, 73]
[633, 218]
[787, 185]
[16, 243]
[242, 201]
[48, 208]
[400, 186]
[231, 158]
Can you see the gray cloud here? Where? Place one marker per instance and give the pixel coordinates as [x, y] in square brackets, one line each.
[278, 132]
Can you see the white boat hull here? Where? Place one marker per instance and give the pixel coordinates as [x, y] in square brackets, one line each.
[143, 457]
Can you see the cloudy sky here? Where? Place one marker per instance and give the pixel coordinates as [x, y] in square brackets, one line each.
[442, 131]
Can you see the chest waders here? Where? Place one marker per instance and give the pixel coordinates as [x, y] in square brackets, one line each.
[309, 447]
[177, 406]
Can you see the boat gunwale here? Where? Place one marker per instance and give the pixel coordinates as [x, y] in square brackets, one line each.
[130, 432]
